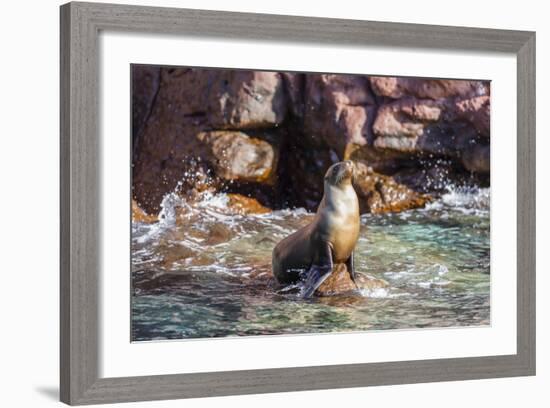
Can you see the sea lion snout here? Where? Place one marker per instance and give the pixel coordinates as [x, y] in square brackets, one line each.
[339, 172]
[349, 166]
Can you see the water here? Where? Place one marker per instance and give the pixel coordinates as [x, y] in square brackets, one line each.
[203, 272]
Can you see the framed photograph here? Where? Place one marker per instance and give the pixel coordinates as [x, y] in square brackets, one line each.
[261, 203]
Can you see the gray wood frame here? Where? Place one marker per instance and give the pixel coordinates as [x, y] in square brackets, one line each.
[80, 233]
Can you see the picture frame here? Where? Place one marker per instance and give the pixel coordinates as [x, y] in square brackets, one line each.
[80, 235]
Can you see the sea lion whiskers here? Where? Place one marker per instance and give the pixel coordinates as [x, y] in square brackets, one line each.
[339, 177]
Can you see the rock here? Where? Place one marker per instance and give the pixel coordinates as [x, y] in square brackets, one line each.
[413, 126]
[241, 204]
[304, 172]
[236, 156]
[476, 111]
[224, 99]
[339, 282]
[429, 178]
[168, 138]
[294, 85]
[378, 193]
[339, 110]
[138, 215]
[218, 233]
[190, 102]
[445, 118]
[399, 87]
[398, 125]
[243, 99]
[146, 81]
[477, 159]
[425, 127]
[272, 135]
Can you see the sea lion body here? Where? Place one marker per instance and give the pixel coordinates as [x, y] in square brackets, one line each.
[311, 252]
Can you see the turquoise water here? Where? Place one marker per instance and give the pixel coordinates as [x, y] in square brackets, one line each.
[202, 272]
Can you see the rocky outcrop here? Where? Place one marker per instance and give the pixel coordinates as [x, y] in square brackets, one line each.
[246, 100]
[339, 282]
[450, 128]
[396, 88]
[271, 136]
[339, 110]
[179, 139]
[236, 156]
[378, 193]
[476, 111]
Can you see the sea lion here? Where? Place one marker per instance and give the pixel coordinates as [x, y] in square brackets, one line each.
[311, 252]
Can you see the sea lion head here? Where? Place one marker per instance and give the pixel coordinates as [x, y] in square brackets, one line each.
[340, 174]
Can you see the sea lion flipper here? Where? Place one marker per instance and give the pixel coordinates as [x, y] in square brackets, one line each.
[350, 265]
[316, 275]
[318, 272]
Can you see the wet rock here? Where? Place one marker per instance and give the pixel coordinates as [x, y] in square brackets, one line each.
[271, 135]
[167, 140]
[218, 233]
[477, 159]
[241, 204]
[196, 180]
[172, 256]
[338, 113]
[379, 193]
[395, 87]
[429, 178]
[138, 215]
[236, 156]
[339, 282]
[191, 101]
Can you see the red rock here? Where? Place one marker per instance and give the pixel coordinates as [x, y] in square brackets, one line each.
[414, 126]
[406, 118]
[398, 87]
[273, 134]
[191, 101]
[428, 127]
[338, 111]
[339, 282]
[378, 193]
[167, 139]
[477, 111]
[243, 99]
[236, 156]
